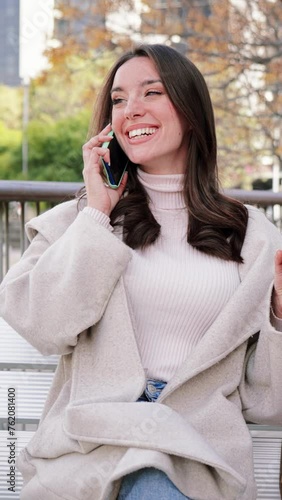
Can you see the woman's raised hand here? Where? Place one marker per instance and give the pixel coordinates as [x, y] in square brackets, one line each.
[277, 292]
[99, 195]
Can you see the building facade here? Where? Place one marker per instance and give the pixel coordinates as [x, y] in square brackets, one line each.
[79, 16]
[9, 42]
[170, 16]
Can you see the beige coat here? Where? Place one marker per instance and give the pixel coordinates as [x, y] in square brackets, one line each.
[67, 296]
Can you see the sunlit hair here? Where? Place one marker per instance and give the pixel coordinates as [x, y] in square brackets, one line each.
[217, 224]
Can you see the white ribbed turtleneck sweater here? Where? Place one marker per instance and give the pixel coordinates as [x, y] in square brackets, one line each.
[174, 291]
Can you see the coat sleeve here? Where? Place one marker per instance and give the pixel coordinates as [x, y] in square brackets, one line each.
[62, 284]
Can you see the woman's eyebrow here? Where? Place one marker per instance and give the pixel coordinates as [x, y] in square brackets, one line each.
[149, 82]
[142, 84]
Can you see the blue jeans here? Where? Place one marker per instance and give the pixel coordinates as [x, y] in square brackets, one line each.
[149, 483]
[152, 390]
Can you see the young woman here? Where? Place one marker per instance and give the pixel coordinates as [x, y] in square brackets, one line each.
[163, 297]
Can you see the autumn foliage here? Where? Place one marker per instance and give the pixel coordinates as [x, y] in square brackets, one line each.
[237, 44]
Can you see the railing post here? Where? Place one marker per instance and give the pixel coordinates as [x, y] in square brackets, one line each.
[23, 192]
[4, 239]
[7, 237]
[23, 235]
[37, 205]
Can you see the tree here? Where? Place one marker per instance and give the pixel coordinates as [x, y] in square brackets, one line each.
[60, 109]
[55, 152]
[238, 47]
[11, 106]
[236, 44]
[58, 93]
[81, 28]
[10, 147]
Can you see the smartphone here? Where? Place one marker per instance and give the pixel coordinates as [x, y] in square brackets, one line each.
[114, 171]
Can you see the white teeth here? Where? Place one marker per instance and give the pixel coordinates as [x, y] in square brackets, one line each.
[141, 131]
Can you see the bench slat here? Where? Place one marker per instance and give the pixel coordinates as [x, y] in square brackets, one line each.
[16, 352]
[267, 442]
[31, 390]
[23, 438]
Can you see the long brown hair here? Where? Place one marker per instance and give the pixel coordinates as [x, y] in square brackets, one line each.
[217, 224]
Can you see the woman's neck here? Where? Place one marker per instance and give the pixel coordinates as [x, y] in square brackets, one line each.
[165, 190]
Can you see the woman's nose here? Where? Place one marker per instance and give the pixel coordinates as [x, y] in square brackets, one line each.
[134, 108]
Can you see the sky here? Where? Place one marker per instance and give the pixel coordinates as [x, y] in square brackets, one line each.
[36, 24]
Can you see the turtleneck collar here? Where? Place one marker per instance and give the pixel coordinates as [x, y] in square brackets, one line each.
[165, 191]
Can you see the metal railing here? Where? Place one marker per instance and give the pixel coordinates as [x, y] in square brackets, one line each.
[21, 200]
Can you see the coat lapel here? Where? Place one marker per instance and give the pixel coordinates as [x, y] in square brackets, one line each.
[106, 361]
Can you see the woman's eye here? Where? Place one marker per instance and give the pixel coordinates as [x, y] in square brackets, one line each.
[154, 92]
[117, 100]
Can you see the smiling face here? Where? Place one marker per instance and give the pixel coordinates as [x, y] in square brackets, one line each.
[145, 122]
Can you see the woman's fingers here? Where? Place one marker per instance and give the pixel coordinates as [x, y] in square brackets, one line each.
[278, 272]
[98, 140]
[98, 194]
[94, 157]
[277, 294]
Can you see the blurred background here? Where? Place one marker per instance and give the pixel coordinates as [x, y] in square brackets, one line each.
[54, 55]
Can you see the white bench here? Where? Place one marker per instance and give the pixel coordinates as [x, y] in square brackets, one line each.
[23, 437]
[16, 353]
[31, 389]
[30, 374]
[27, 371]
[267, 443]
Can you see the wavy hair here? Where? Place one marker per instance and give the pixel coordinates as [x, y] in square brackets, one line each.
[217, 224]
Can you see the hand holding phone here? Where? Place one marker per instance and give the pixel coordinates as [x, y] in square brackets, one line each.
[98, 193]
[114, 171]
